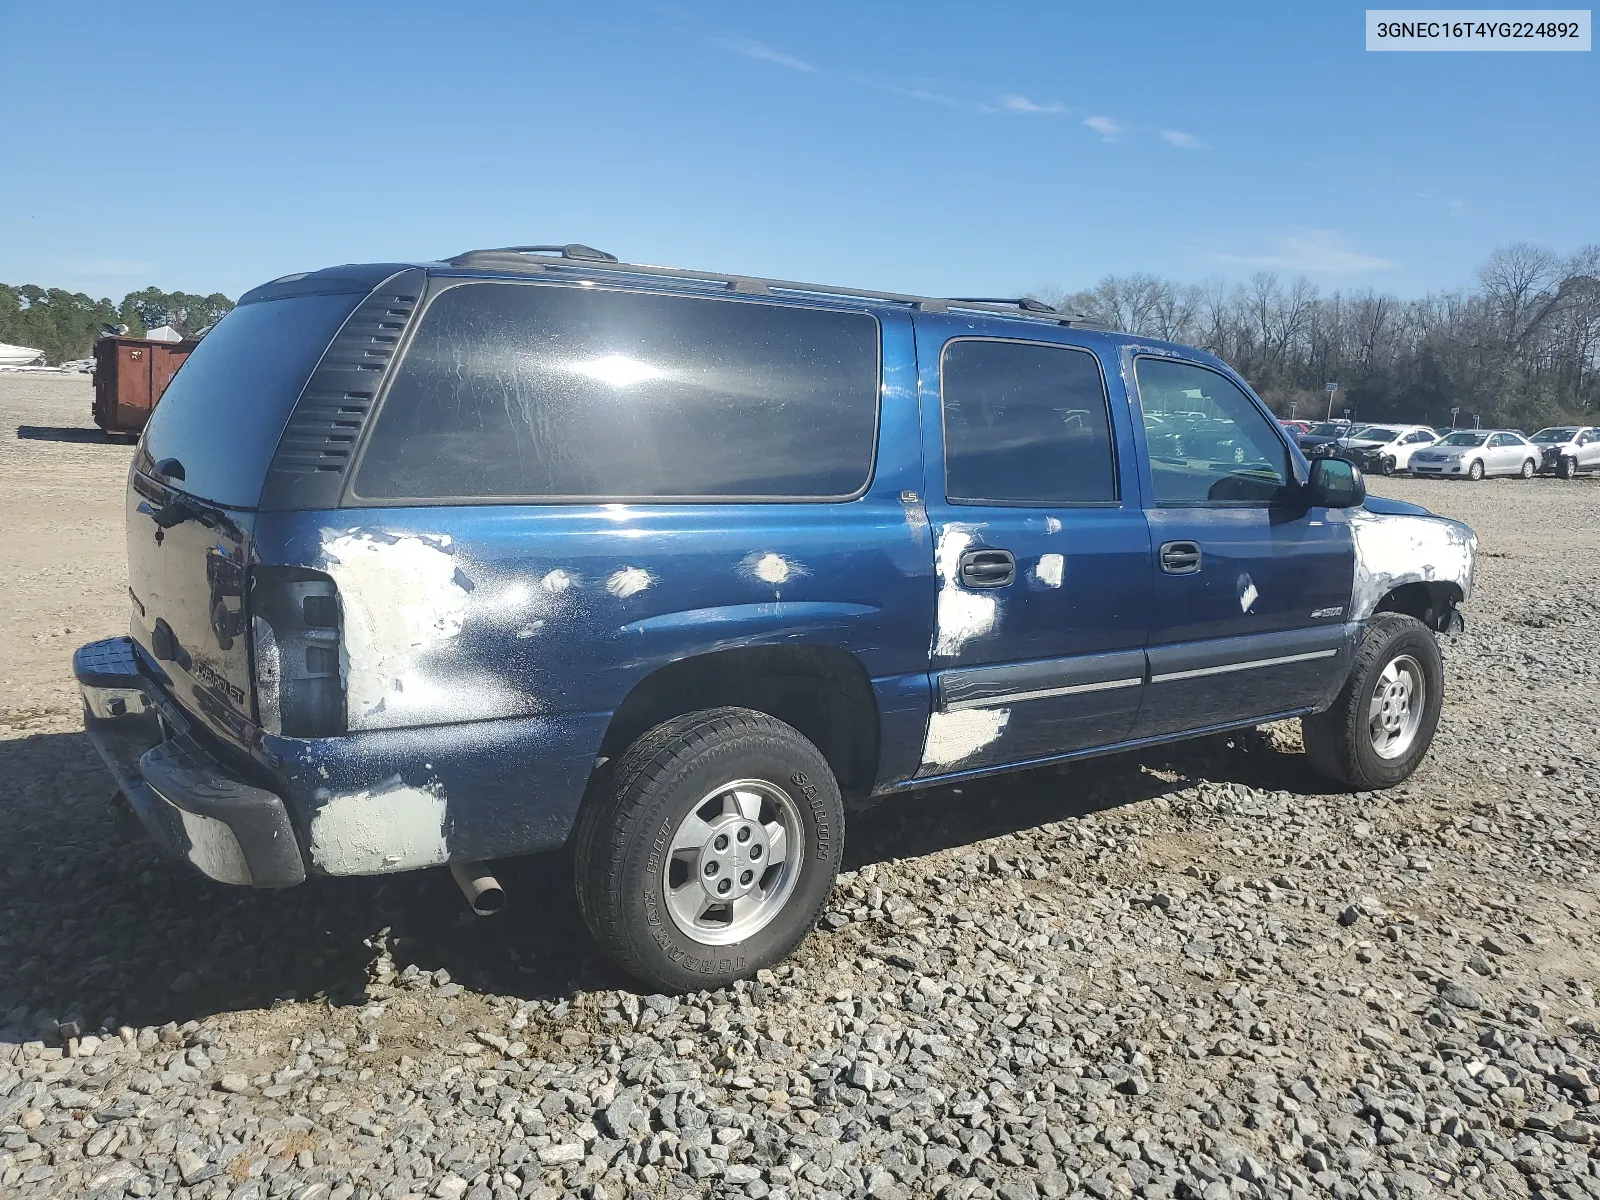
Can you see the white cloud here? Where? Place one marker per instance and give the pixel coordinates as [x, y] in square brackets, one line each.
[1022, 104]
[1107, 127]
[926, 95]
[1314, 251]
[1183, 141]
[750, 48]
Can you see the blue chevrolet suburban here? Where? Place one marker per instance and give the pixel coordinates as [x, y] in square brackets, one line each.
[438, 563]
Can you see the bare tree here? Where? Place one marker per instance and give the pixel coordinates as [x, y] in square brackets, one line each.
[1523, 345]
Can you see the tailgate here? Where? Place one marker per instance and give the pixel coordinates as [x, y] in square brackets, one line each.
[186, 575]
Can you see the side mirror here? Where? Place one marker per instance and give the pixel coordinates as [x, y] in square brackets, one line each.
[1336, 483]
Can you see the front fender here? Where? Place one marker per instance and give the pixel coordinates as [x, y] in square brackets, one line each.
[1394, 549]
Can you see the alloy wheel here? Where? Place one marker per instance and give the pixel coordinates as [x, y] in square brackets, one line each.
[733, 862]
[1394, 713]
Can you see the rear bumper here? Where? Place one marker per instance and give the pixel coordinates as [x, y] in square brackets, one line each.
[367, 803]
[194, 805]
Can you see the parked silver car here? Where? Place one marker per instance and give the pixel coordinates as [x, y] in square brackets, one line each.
[1567, 450]
[1474, 453]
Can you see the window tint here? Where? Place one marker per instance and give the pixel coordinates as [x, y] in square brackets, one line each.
[546, 391]
[1025, 424]
[225, 409]
[1209, 442]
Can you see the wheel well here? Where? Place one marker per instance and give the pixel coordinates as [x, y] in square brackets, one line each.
[822, 691]
[1429, 603]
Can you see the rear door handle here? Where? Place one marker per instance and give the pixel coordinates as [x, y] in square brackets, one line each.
[988, 568]
[1180, 558]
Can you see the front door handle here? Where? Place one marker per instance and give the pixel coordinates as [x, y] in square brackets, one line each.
[988, 568]
[1180, 558]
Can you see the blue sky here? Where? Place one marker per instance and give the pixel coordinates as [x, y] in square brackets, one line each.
[928, 147]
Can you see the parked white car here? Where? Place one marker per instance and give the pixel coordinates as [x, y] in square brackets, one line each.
[1474, 453]
[1385, 449]
[1568, 450]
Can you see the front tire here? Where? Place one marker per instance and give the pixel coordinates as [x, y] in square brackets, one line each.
[1382, 724]
[1567, 468]
[1475, 471]
[713, 852]
[1386, 465]
[1528, 468]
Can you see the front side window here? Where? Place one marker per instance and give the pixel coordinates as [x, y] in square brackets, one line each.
[541, 392]
[1224, 450]
[1025, 423]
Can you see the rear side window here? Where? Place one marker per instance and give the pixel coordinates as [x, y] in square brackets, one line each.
[225, 409]
[1025, 423]
[562, 393]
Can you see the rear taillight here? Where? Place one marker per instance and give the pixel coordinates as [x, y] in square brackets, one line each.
[296, 652]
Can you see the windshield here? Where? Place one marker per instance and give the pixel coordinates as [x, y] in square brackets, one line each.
[1464, 438]
[1327, 428]
[1555, 435]
[1377, 434]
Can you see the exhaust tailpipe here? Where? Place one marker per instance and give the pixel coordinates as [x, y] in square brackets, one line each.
[484, 894]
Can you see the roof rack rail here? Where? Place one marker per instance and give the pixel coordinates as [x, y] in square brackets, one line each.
[575, 258]
[572, 251]
[1025, 303]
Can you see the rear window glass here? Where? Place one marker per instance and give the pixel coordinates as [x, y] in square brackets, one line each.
[1025, 424]
[547, 392]
[225, 409]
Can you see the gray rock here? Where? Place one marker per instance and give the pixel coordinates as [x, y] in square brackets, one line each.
[1460, 995]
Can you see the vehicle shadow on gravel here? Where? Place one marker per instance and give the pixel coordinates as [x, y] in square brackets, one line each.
[65, 433]
[102, 930]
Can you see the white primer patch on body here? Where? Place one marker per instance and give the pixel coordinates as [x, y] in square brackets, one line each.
[1247, 593]
[1396, 549]
[214, 849]
[962, 615]
[953, 736]
[392, 827]
[558, 581]
[629, 581]
[1050, 569]
[402, 596]
[771, 568]
[1052, 524]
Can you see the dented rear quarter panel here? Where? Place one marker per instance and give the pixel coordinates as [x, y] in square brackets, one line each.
[487, 645]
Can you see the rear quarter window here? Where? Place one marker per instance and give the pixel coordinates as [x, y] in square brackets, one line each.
[539, 392]
[225, 409]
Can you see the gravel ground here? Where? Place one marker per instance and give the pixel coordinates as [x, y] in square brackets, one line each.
[1193, 973]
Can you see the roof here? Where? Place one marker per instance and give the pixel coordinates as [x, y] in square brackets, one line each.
[585, 262]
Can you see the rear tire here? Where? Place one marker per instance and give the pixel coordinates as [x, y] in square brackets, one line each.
[1381, 726]
[725, 796]
[1475, 471]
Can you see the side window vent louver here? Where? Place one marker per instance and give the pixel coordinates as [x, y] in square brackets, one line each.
[314, 453]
